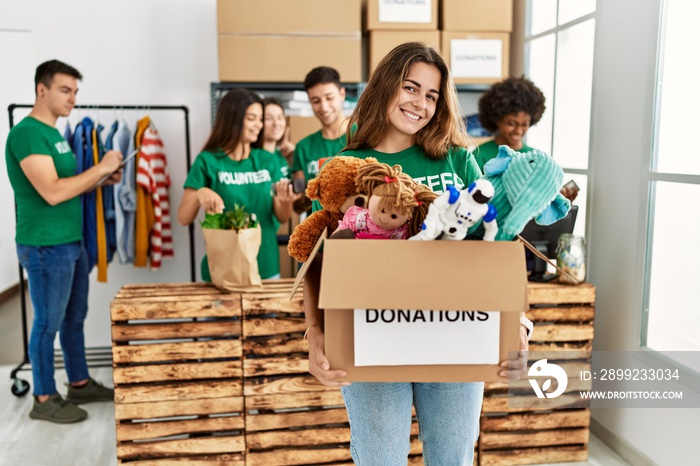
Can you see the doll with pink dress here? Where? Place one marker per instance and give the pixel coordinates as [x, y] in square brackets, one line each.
[396, 205]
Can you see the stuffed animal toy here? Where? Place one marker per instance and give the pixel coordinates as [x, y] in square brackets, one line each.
[455, 211]
[395, 202]
[336, 189]
[526, 186]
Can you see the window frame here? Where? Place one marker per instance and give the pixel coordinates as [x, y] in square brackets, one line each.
[653, 177]
[551, 107]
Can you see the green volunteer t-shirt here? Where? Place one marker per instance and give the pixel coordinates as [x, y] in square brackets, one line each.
[284, 166]
[311, 149]
[247, 183]
[458, 168]
[38, 222]
[489, 150]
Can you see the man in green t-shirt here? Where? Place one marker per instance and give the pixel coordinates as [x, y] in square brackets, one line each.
[326, 95]
[42, 169]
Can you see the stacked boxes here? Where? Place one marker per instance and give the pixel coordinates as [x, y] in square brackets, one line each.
[256, 45]
[401, 15]
[474, 35]
[475, 39]
[391, 22]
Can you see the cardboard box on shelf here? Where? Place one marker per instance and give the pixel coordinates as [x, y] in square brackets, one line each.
[390, 14]
[476, 57]
[300, 127]
[382, 42]
[476, 15]
[474, 290]
[333, 17]
[288, 266]
[270, 58]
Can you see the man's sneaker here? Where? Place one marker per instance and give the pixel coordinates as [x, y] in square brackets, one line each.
[58, 410]
[92, 391]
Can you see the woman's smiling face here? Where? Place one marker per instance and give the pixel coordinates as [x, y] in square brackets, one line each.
[416, 100]
[252, 123]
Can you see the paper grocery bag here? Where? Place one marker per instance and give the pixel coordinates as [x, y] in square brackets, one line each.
[233, 258]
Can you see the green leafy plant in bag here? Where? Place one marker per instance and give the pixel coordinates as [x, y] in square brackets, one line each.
[236, 219]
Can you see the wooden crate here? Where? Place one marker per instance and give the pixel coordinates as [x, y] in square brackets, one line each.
[555, 430]
[210, 378]
[291, 419]
[177, 375]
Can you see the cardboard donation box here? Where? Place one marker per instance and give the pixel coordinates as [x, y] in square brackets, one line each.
[401, 14]
[256, 46]
[382, 42]
[432, 311]
[476, 57]
[300, 127]
[476, 15]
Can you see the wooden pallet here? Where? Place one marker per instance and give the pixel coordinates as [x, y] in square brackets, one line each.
[205, 377]
[551, 430]
[178, 376]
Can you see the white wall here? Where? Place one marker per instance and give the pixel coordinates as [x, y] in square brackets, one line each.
[621, 141]
[130, 52]
[17, 49]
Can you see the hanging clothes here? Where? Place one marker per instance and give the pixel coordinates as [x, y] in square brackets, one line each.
[90, 197]
[125, 196]
[78, 145]
[101, 236]
[145, 217]
[152, 176]
[108, 196]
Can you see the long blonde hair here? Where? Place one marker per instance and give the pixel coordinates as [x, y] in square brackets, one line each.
[369, 124]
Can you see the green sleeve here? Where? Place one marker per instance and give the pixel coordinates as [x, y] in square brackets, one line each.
[198, 177]
[479, 158]
[465, 165]
[26, 141]
[473, 170]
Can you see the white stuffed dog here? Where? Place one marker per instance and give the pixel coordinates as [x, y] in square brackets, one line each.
[452, 214]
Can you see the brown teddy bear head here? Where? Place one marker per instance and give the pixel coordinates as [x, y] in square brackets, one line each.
[335, 186]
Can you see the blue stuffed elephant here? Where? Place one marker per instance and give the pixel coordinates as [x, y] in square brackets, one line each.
[526, 186]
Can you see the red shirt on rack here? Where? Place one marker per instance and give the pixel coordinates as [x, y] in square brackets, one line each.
[153, 176]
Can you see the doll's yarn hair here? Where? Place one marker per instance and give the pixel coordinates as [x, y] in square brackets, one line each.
[395, 189]
[424, 197]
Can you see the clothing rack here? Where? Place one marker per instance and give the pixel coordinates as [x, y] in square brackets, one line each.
[97, 357]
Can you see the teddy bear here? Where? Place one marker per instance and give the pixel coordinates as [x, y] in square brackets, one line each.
[335, 188]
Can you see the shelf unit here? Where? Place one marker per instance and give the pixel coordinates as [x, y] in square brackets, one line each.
[218, 89]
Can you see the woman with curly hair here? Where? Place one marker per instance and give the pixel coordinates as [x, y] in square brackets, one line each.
[508, 109]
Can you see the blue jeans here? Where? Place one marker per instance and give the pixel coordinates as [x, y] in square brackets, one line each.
[380, 421]
[58, 286]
